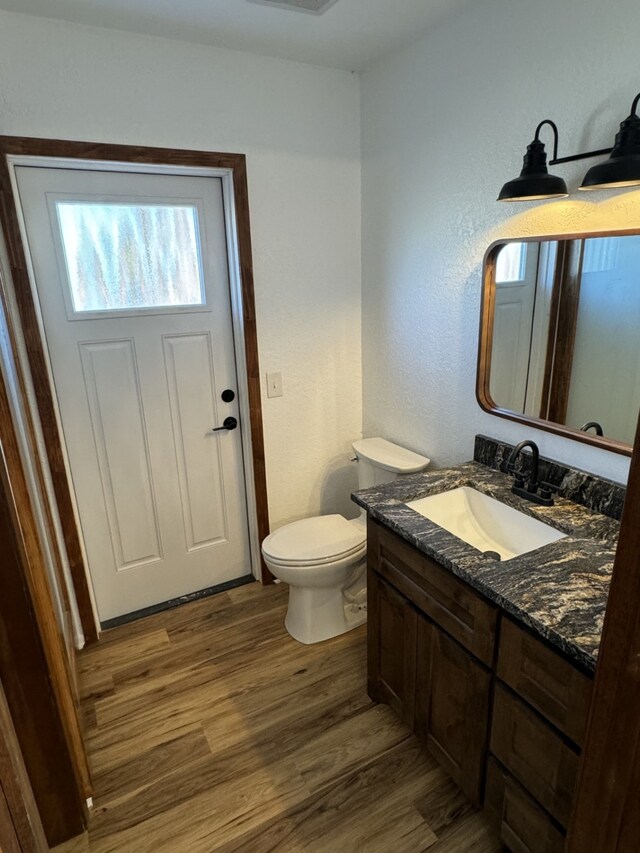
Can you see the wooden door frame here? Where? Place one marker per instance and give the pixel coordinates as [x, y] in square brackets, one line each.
[20, 824]
[34, 667]
[164, 158]
[606, 816]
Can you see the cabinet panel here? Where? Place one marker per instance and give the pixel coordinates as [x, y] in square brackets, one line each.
[524, 826]
[535, 754]
[391, 659]
[450, 602]
[545, 680]
[452, 707]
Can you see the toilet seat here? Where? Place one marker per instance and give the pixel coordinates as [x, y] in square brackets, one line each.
[315, 541]
[298, 565]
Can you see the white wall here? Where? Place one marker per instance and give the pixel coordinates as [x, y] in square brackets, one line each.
[444, 124]
[605, 371]
[299, 127]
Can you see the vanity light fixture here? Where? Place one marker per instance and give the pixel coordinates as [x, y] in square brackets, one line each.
[535, 182]
[621, 170]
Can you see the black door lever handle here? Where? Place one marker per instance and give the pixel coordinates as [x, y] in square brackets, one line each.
[228, 424]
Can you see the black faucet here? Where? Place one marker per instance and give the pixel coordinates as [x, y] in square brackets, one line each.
[594, 425]
[527, 485]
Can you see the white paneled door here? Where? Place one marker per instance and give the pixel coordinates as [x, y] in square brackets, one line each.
[515, 300]
[132, 278]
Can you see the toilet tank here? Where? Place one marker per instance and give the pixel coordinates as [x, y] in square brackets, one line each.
[381, 461]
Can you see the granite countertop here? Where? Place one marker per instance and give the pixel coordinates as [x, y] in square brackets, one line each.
[559, 591]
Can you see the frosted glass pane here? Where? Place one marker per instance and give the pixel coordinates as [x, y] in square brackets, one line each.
[124, 256]
[511, 263]
[601, 254]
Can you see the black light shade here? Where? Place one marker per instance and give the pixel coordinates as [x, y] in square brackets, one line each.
[622, 169]
[535, 182]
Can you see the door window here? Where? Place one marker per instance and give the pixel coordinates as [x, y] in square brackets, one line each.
[130, 257]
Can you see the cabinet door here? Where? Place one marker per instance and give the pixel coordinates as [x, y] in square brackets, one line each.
[452, 707]
[392, 624]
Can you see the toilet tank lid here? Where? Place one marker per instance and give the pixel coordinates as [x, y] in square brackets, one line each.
[390, 456]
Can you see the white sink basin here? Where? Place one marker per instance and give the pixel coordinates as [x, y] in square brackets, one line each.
[485, 523]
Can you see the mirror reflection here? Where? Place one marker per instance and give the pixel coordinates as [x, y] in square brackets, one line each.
[565, 332]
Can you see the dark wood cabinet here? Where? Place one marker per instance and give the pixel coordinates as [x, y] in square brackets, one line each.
[507, 727]
[452, 707]
[546, 681]
[524, 826]
[423, 625]
[391, 657]
[448, 601]
[535, 754]
[541, 705]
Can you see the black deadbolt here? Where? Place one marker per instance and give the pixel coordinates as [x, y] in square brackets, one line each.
[228, 395]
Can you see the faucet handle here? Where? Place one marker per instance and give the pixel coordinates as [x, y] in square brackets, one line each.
[547, 489]
[520, 478]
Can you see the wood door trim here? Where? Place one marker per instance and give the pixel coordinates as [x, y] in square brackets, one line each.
[566, 318]
[27, 430]
[43, 393]
[57, 148]
[561, 269]
[34, 666]
[606, 815]
[16, 788]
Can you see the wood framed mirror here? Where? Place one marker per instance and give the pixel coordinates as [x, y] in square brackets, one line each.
[560, 335]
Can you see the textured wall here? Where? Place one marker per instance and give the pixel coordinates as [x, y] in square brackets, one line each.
[444, 124]
[299, 127]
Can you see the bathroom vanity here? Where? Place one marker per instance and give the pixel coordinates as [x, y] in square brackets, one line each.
[490, 663]
[431, 649]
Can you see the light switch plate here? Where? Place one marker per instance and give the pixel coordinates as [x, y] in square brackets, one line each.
[274, 385]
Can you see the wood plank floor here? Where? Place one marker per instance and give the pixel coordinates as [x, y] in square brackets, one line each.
[210, 729]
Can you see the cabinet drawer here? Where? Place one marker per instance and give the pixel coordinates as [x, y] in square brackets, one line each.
[524, 826]
[450, 602]
[535, 754]
[545, 680]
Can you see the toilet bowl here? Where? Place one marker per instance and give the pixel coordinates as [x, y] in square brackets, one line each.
[318, 557]
[323, 559]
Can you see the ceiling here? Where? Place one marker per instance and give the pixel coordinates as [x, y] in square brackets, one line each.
[350, 34]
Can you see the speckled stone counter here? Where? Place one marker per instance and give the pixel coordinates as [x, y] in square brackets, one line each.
[595, 493]
[559, 591]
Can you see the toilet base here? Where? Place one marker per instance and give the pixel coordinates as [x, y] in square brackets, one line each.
[318, 614]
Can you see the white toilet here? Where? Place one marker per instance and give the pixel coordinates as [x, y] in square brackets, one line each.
[323, 559]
